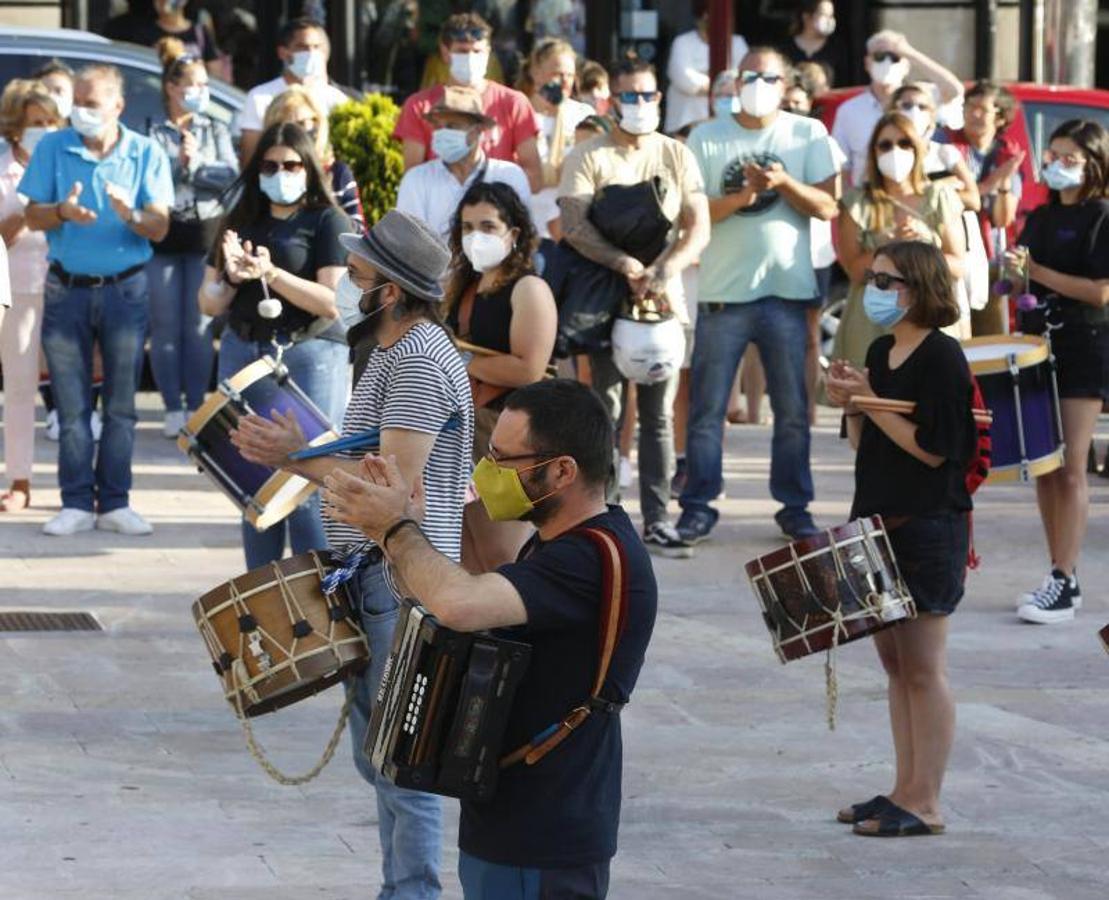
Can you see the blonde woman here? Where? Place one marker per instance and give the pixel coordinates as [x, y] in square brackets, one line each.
[27, 112]
[297, 105]
[895, 202]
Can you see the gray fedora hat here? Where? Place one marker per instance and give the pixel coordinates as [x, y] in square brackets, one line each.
[406, 251]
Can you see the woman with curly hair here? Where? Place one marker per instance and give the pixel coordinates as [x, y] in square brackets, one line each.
[506, 319]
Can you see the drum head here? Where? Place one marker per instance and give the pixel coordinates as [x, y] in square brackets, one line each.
[991, 354]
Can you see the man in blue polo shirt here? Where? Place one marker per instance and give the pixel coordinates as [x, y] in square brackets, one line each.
[101, 193]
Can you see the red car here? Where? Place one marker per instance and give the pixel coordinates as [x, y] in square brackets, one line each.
[1041, 109]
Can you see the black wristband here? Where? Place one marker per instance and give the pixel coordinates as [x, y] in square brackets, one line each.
[393, 529]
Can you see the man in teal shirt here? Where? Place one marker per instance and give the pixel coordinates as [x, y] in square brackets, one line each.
[101, 193]
[767, 173]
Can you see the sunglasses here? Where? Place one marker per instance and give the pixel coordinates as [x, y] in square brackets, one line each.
[884, 56]
[748, 77]
[272, 167]
[882, 280]
[631, 97]
[885, 145]
[467, 34]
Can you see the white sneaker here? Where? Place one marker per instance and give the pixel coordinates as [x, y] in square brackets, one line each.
[69, 521]
[123, 520]
[625, 473]
[174, 422]
[53, 429]
[96, 424]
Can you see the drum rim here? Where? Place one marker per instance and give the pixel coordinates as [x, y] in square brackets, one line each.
[856, 528]
[1041, 465]
[312, 559]
[1038, 351]
[274, 484]
[208, 409]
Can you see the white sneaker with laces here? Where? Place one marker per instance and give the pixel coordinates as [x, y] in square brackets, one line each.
[174, 422]
[53, 429]
[69, 521]
[124, 521]
[1030, 597]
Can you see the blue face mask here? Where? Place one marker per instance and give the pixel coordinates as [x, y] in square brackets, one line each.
[881, 306]
[196, 99]
[725, 107]
[284, 188]
[450, 144]
[1058, 177]
[307, 64]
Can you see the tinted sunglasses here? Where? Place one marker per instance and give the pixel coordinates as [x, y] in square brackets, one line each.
[271, 167]
[884, 146]
[466, 34]
[885, 56]
[882, 280]
[747, 77]
[631, 97]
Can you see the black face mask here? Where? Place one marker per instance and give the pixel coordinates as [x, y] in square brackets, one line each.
[552, 93]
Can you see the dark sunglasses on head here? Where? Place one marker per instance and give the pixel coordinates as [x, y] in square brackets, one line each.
[881, 280]
[272, 167]
[636, 96]
[885, 145]
[751, 77]
[466, 34]
[883, 56]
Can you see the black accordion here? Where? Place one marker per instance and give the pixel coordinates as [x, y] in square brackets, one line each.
[443, 706]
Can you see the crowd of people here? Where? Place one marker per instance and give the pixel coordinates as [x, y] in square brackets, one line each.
[453, 304]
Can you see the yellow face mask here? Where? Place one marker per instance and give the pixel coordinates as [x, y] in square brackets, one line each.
[501, 491]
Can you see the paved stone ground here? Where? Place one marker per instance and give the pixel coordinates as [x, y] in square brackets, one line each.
[123, 774]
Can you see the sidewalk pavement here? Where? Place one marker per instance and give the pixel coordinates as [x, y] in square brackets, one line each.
[124, 775]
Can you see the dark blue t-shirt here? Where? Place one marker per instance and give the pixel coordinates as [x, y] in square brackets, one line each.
[565, 810]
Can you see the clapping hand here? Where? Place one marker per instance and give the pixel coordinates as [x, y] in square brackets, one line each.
[189, 146]
[843, 383]
[69, 210]
[376, 501]
[117, 197]
[268, 442]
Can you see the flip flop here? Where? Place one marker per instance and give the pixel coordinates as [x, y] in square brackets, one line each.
[860, 812]
[894, 821]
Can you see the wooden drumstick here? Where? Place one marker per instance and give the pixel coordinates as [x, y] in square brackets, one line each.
[467, 347]
[908, 407]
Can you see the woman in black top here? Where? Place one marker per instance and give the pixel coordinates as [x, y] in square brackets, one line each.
[1067, 241]
[284, 230]
[148, 21]
[910, 470]
[813, 39]
[495, 301]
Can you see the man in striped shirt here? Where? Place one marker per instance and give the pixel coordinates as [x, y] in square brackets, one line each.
[415, 392]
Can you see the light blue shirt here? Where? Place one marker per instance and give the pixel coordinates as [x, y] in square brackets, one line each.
[108, 245]
[764, 250]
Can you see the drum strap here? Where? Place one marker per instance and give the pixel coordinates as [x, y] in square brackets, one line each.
[613, 618]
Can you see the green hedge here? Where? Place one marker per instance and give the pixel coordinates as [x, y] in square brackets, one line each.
[362, 136]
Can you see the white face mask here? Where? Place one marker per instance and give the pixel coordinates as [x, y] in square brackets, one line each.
[307, 64]
[896, 164]
[469, 68]
[485, 251]
[31, 137]
[639, 118]
[64, 101]
[87, 122]
[760, 99]
[348, 300]
[887, 72]
[921, 119]
[825, 25]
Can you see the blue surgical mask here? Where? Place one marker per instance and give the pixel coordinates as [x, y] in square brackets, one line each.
[1058, 177]
[725, 107]
[307, 64]
[881, 306]
[450, 144]
[348, 300]
[284, 188]
[196, 99]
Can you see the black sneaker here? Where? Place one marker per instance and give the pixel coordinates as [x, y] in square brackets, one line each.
[1053, 602]
[696, 524]
[663, 539]
[1030, 596]
[677, 483]
[796, 523]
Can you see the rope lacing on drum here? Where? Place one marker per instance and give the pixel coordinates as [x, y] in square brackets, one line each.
[831, 681]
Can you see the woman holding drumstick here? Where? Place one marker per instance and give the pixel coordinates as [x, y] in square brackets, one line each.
[506, 319]
[911, 472]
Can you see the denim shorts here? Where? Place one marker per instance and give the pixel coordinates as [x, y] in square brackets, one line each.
[1081, 353]
[931, 553]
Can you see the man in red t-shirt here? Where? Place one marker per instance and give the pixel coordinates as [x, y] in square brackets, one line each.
[464, 46]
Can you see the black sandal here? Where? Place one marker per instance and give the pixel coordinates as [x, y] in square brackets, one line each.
[893, 821]
[860, 812]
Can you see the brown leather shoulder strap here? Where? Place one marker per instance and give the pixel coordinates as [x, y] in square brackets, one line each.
[466, 310]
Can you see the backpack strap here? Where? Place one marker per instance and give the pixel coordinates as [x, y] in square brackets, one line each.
[613, 618]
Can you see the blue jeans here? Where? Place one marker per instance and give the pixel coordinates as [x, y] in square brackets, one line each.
[180, 336]
[483, 880]
[778, 328]
[410, 823]
[74, 318]
[319, 368]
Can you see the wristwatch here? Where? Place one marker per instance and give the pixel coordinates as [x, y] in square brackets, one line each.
[136, 217]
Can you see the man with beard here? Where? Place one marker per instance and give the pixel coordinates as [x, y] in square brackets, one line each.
[414, 393]
[550, 830]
